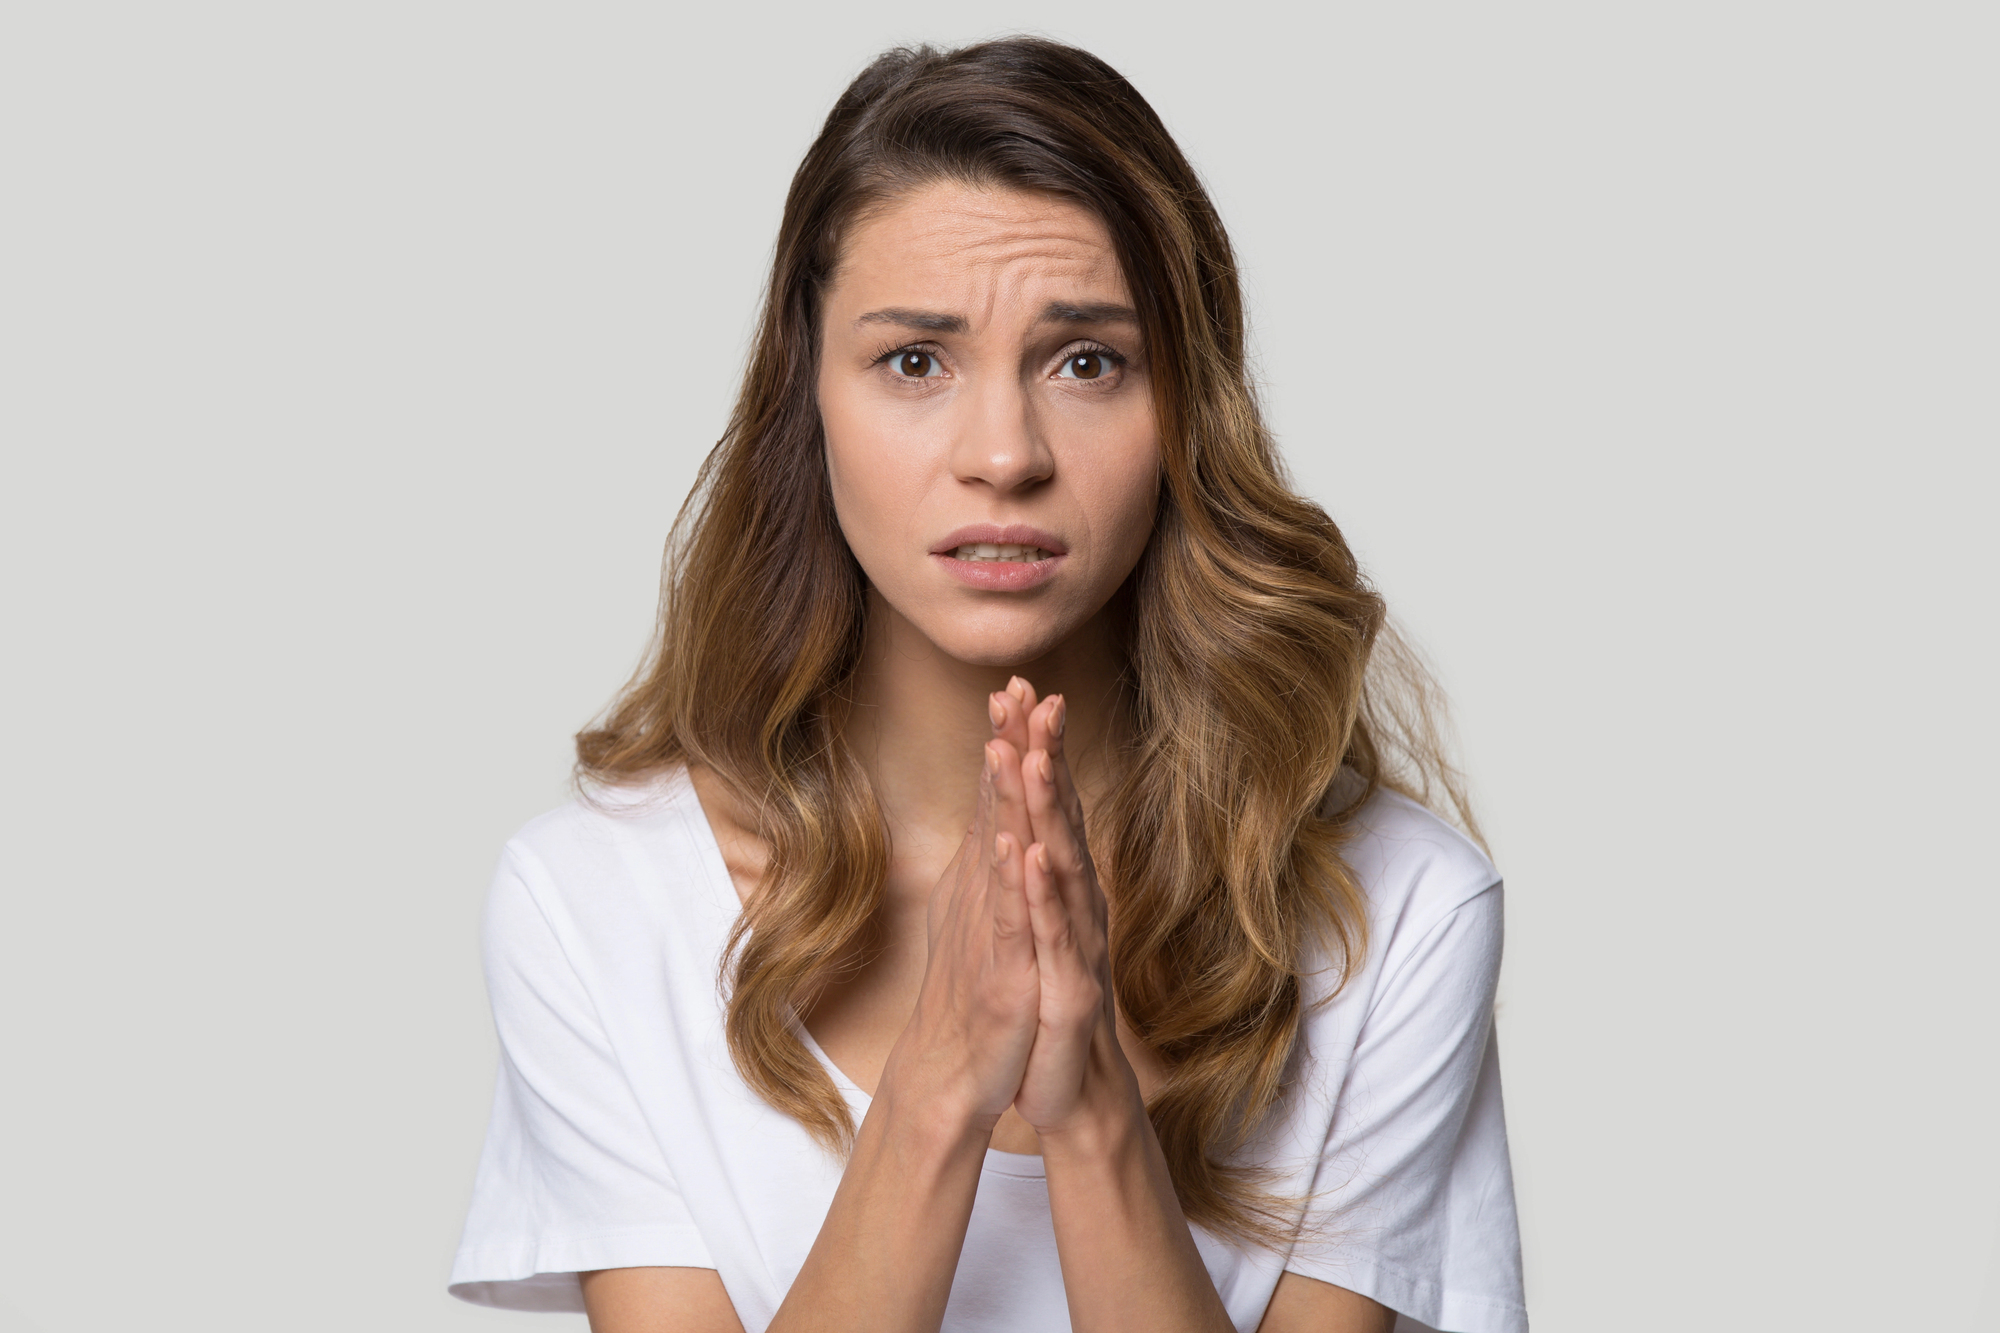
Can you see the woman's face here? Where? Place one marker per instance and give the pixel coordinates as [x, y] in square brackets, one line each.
[989, 424]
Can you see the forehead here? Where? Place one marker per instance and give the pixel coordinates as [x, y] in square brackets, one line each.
[972, 247]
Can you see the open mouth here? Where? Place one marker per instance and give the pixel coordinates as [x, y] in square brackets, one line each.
[993, 558]
[995, 551]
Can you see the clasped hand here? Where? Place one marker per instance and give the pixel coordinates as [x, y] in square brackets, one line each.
[1016, 1005]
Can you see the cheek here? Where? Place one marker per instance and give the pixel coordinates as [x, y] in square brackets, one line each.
[846, 459]
[858, 505]
[864, 475]
[1126, 499]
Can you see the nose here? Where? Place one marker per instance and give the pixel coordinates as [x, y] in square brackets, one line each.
[997, 441]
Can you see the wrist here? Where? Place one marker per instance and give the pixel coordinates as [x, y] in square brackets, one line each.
[929, 1104]
[1110, 1113]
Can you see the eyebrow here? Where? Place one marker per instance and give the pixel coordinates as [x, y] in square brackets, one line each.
[928, 320]
[1055, 312]
[1100, 312]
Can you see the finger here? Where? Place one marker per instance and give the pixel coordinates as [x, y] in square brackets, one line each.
[1049, 917]
[979, 838]
[1023, 693]
[1008, 710]
[1047, 914]
[1011, 920]
[1010, 796]
[1062, 841]
[1045, 732]
[968, 870]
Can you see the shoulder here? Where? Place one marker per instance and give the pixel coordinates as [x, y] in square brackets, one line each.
[1419, 873]
[603, 824]
[612, 856]
[1408, 855]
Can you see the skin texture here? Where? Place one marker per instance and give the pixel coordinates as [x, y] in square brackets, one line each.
[953, 394]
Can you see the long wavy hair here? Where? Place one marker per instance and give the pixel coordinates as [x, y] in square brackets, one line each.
[1266, 700]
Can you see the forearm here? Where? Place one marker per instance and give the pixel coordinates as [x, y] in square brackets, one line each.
[1129, 1261]
[887, 1251]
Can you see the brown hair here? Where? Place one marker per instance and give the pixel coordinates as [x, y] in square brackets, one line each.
[1250, 633]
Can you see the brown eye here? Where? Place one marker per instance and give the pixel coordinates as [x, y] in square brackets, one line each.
[916, 365]
[1083, 366]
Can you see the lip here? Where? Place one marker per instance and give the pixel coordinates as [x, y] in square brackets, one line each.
[1014, 534]
[1000, 575]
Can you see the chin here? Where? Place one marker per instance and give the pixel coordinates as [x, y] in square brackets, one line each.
[1010, 640]
[990, 651]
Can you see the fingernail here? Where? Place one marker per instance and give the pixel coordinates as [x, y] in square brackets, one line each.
[995, 711]
[1062, 716]
[1048, 767]
[1042, 859]
[992, 761]
[1000, 850]
[1017, 687]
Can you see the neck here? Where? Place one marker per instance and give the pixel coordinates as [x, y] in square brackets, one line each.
[919, 720]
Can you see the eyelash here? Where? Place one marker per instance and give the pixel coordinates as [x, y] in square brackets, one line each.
[886, 353]
[1088, 346]
[1091, 347]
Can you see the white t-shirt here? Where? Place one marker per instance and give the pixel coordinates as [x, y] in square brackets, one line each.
[622, 1136]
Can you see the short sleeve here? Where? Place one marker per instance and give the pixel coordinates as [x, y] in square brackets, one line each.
[1413, 1203]
[571, 1178]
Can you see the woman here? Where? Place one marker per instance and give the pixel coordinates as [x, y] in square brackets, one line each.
[1007, 760]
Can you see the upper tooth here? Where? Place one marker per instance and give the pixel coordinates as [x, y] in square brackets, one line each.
[998, 551]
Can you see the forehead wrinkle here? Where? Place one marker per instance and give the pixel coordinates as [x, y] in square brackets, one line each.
[1061, 277]
[1017, 248]
[972, 297]
[1037, 299]
[968, 259]
[971, 256]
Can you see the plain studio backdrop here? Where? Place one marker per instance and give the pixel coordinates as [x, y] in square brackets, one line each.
[354, 359]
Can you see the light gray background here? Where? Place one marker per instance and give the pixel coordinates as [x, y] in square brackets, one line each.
[353, 360]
